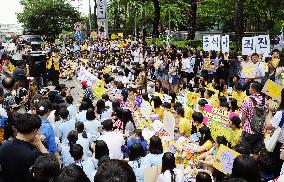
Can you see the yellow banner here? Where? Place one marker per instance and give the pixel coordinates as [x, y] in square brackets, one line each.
[99, 89]
[273, 90]
[224, 159]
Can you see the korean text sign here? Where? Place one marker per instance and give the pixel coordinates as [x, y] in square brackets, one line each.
[214, 113]
[224, 159]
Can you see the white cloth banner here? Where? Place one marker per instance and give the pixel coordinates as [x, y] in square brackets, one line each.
[225, 44]
[86, 75]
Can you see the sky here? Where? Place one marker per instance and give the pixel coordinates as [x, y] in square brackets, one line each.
[9, 8]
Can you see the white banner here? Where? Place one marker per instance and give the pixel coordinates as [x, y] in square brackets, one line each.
[101, 9]
[262, 44]
[215, 44]
[248, 45]
[225, 44]
[86, 75]
[206, 42]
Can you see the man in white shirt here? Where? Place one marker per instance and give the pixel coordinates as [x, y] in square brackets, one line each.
[113, 139]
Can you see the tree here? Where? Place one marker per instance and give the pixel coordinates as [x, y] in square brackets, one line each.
[48, 17]
[157, 15]
[239, 22]
[192, 20]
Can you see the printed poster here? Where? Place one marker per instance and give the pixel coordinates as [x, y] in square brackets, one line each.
[217, 129]
[224, 159]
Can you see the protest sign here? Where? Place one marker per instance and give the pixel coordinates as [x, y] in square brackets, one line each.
[99, 89]
[215, 43]
[208, 64]
[248, 70]
[120, 34]
[206, 42]
[220, 115]
[86, 75]
[273, 90]
[248, 46]
[225, 44]
[262, 44]
[224, 159]
[192, 98]
[145, 109]
[113, 36]
[217, 129]
[169, 123]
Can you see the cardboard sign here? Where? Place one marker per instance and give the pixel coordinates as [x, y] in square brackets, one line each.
[214, 113]
[224, 159]
[273, 90]
[248, 70]
[169, 123]
[192, 98]
[120, 34]
[217, 129]
[209, 64]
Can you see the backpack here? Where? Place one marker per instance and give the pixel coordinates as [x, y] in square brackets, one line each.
[258, 117]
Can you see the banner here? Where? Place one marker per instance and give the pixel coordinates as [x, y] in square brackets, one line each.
[86, 75]
[99, 89]
[273, 90]
[248, 70]
[224, 159]
[101, 9]
[217, 129]
[208, 64]
[215, 44]
[225, 44]
[145, 109]
[220, 115]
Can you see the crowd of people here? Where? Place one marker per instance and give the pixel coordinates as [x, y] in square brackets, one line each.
[117, 127]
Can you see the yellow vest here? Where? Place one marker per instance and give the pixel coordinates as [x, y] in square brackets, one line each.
[56, 65]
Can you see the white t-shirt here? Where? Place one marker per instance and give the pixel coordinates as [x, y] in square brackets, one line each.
[166, 176]
[114, 141]
[275, 123]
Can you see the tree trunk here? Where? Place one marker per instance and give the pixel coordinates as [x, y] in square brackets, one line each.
[156, 18]
[192, 20]
[239, 22]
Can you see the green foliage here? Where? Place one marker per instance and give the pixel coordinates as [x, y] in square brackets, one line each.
[49, 17]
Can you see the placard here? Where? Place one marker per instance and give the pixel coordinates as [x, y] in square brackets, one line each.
[192, 98]
[208, 64]
[145, 109]
[224, 159]
[262, 44]
[215, 44]
[217, 129]
[248, 46]
[169, 123]
[273, 90]
[220, 115]
[248, 70]
[101, 9]
[120, 34]
[225, 44]
[206, 42]
[113, 36]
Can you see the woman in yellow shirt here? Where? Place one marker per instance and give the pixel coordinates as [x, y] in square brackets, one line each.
[236, 130]
[158, 109]
[238, 94]
[205, 142]
[184, 125]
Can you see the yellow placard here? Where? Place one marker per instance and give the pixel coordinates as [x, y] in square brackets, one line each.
[94, 34]
[99, 89]
[273, 90]
[113, 36]
[209, 65]
[192, 97]
[248, 70]
[120, 34]
[217, 129]
[224, 159]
